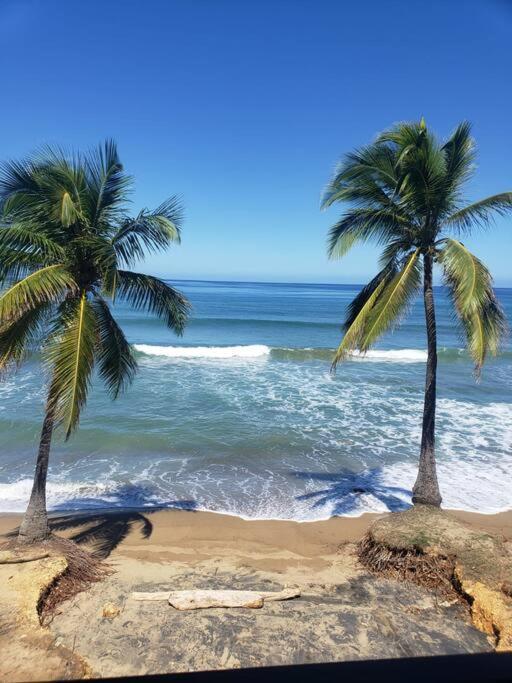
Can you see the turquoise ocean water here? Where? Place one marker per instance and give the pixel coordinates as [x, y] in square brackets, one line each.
[242, 416]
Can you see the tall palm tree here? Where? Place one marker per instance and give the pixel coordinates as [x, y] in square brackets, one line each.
[405, 192]
[65, 239]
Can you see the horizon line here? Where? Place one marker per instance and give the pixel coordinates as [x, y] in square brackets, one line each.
[287, 282]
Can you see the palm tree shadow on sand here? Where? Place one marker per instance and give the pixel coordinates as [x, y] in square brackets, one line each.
[103, 529]
[342, 491]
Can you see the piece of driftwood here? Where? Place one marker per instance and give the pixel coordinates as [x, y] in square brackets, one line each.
[203, 599]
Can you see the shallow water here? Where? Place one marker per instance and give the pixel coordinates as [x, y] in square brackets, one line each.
[241, 415]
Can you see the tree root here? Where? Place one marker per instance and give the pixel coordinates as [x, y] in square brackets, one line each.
[435, 572]
[82, 571]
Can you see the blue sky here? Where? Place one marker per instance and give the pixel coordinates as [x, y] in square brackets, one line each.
[244, 107]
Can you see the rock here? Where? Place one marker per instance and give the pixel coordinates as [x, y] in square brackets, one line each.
[110, 611]
[476, 563]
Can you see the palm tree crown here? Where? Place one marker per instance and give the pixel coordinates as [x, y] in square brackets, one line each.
[406, 193]
[66, 240]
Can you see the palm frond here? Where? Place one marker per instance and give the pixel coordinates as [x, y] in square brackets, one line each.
[15, 266]
[48, 192]
[484, 329]
[459, 151]
[470, 286]
[481, 213]
[16, 177]
[359, 311]
[366, 176]
[99, 252]
[393, 301]
[361, 225]
[116, 363]
[470, 280]
[25, 238]
[150, 231]
[18, 337]
[151, 294]
[47, 284]
[70, 356]
[107, 186]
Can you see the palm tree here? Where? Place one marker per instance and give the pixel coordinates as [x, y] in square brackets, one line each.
[65, 238]
[405, 193]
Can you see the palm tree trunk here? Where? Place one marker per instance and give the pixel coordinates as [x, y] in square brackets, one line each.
[34, 527]
[426, 489]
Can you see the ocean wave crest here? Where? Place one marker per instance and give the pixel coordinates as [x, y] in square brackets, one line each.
[262, 350]
[302, 354]
[249, 351]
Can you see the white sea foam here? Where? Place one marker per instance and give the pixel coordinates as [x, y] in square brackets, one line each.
[269, 442]
[261, 350]
[250, 351]
[466, 483]
[393, 355]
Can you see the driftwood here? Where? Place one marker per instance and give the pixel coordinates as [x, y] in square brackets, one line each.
[202, 599]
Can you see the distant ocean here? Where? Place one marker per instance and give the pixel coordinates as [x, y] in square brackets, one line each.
[242, 416]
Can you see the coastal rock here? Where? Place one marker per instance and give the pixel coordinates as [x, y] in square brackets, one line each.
[30, 652]
[430, 546]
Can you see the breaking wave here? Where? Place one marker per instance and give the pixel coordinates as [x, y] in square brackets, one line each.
[296, 354]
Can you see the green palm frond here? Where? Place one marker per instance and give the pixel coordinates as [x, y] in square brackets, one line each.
[393, 301]
[366, 176]
[470, 280]
[361, 225]
[459, 151]
[484, 328]
[16, 178]
[18, 337]
[116, 363]
[151, 294]
[16, 266]
[359, 312]
[150, 231]
[70, 355]
[47, 284]
[50, 197]
[481, 212]
[100, 254]
[470, 286]
[107, 186]
[25, 240]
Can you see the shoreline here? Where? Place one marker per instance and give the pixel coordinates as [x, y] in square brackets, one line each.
[152, 509]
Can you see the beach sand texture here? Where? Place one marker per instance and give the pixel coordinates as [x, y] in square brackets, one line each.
[344, 612]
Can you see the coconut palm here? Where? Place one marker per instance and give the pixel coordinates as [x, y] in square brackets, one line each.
[405, 192]
[66, 241]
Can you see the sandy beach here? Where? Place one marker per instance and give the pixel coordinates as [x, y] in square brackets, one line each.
[344, 612]
[189, 536]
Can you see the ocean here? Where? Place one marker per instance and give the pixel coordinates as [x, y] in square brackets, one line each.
[242, 415]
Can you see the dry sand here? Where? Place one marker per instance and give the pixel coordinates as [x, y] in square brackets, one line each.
[193, 536]
[343, 613]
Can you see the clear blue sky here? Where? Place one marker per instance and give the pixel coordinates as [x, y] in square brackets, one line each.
[244, 107]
